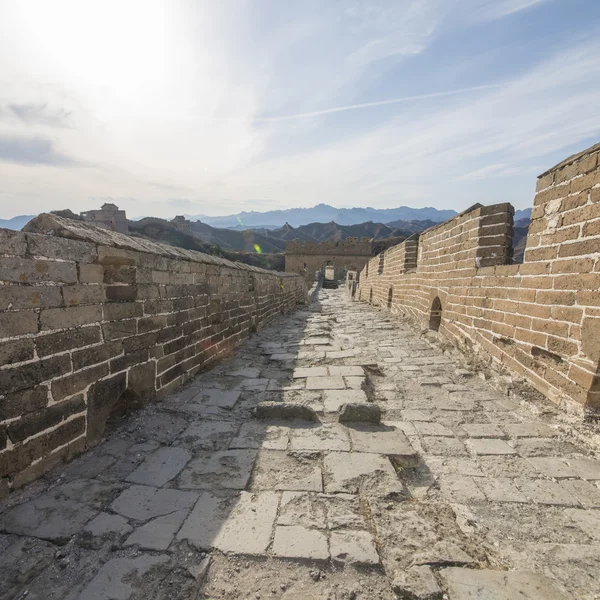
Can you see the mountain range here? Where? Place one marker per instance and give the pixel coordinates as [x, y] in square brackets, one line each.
[296, 217]
[323, 213]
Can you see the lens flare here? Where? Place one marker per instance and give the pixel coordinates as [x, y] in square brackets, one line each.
[257, 248]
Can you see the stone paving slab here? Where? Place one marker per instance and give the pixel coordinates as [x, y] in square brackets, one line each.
[160, 467]
[470, 584]
[229, 469]
[261, 435]
[327, 436]
[300, 543]
[141, 502]
[114, 580]
[248, 528]
[293, 471]
[325, 383]
[346, 472]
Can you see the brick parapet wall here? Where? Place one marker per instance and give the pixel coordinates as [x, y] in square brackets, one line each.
[89, 317]
[540, 319]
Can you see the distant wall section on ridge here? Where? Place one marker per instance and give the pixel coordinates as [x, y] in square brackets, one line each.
[305, 258]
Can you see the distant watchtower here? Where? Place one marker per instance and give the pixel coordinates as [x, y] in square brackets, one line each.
[306, 258]
[109, 217]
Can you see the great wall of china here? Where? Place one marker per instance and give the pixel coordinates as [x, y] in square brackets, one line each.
[539, 319]
[92, 318]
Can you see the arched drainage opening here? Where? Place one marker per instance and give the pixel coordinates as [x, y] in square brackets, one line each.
[371, 296]
[390, 297]
[435, 317]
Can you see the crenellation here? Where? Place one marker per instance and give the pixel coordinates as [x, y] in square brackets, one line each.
[516, 315]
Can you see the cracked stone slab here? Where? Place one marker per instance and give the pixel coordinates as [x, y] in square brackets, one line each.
[325, 383]
[261, 435]
[546, 492]
[248, 528]
[158, 533]
[60, 513]
[444, 446]
[160, 467]
[471, 584]
[443, 553]
[382, 439]
[334, 399]
[586, 468]
[208, 435]
[354, 383]
[303, 372]
[587, 520]
[247, 372]
[587, 494]
[417, 583]
[458, 488]
[300, 543]
[531, 430]
[489, 446]
[483, 430]
[346, 371]
[501, 490]
[304, 509]
[348, 472]
[553, 467]
[327, 436]
[353, 547]
[435, 429]
[141, 502]
[117, 579]
[291, 471]
[228, 469]
[106, 523]
[206, 519]
[344, 511]
[219, 398]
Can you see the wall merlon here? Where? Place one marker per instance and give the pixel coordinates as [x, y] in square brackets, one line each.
[540, 318]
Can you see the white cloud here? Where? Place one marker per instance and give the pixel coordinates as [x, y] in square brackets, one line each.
[204, 106]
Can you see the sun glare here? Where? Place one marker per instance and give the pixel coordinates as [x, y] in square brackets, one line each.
[119, 50]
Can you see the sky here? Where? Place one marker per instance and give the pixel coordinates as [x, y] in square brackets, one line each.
[205, 107]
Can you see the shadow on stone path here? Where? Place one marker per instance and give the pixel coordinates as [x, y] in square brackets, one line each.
[459, 490]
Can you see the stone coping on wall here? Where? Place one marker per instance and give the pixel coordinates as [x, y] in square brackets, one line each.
[53, 225]
[571, 159]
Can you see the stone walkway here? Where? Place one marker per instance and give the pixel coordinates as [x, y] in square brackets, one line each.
[460, 490]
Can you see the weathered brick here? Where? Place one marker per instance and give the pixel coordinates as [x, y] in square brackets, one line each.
[127, 360]
[119, 329]
[579, 248]
[119, 274]
[556, 298]
[12, 242]
[75, 295]
[16, 323]
[91, 273]
[27, 270]
[45, 418]
[61, 248]
[61, 341]
[115, 311]
[16, 351]
[152, 323]
[77, 382]
[20, 457]
[30, 296]
[25, 376]
[73, 316]
[96, 354]
[20, 403]
[121, 293]
[591, 228]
